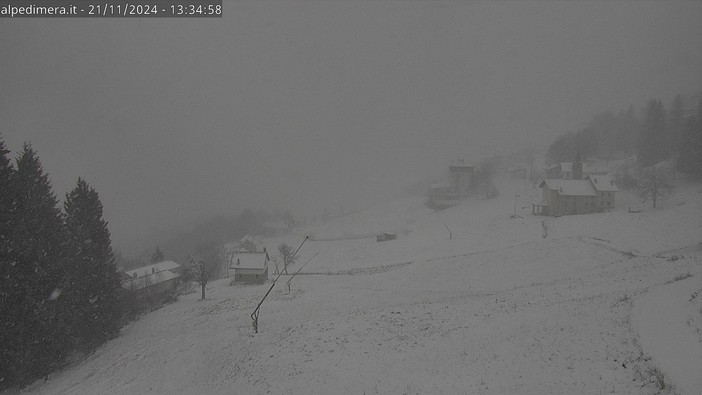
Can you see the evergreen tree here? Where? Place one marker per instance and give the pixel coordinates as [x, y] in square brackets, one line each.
[6, 209]
[626, 131]
[93, 282]
[603, 128]
[562, 150]
[7, 283]
[6, 175]
[690, 149]
[157, 256]
[653, 139]
[586, 141]
[676, 123]
[34, 332]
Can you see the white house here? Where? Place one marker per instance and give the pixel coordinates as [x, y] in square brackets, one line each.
[250, 267]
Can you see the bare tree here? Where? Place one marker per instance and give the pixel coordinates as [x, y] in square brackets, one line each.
[275, 262]
[654, 185]
[158, 256]
[288, 256]
[204, 266]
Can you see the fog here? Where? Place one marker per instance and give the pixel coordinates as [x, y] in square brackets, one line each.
[303, 106]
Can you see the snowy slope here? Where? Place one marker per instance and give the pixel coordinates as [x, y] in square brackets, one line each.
[495, 309]
[664, 318]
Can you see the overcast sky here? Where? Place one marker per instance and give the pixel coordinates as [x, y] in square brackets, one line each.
[306, 105]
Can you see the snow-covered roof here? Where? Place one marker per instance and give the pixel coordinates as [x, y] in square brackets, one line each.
[460, 169]
[246, 238]
[275, 224]
[587, 169]
[570, 187]
[459, 163]
[151, 279]
[250, 260]
[603, 183]
[567, 167]
[439, 185]
[150, 269]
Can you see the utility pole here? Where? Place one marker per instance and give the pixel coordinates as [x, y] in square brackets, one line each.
[254, 315]
[298, 270]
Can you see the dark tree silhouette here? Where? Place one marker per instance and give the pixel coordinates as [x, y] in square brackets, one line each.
[690, 148]
[93, 285]
[205, 265]
[157, 256]
[34, 333]
[653, 139]
[287, 253]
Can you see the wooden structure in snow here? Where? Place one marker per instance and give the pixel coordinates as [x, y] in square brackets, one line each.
[156, 279]
[386, 237]
[459, 187]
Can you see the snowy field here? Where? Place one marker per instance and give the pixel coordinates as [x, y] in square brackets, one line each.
[596, 307]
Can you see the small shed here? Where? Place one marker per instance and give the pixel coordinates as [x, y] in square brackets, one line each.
[250, 267]
[385, 237]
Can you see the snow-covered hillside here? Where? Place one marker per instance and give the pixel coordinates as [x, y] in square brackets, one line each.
[497, 308]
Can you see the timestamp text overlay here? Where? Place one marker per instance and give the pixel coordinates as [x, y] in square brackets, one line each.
[111, 9]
